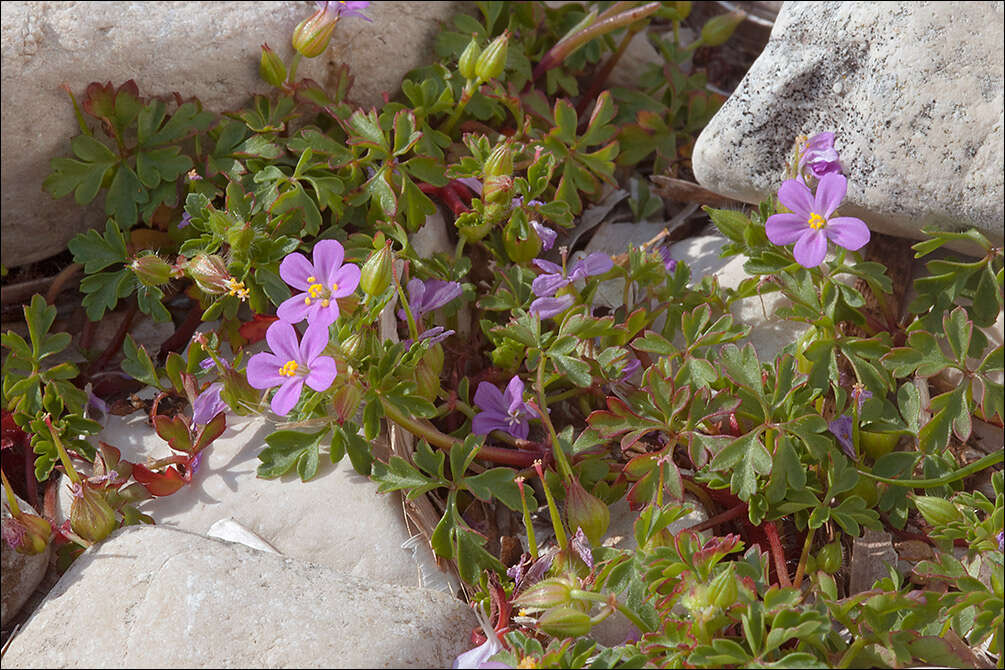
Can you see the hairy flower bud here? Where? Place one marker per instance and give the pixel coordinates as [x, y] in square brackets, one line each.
[491, 62]
[151, 270]
[499, 163]
[937, 511]
[720, 28]
[546, 593]
[586, 511]
[376, 273]
[210, 273]
[346, 401]
[311, 36]
[352, 347]
[565, 622]
[466, 63]
[829, 558]
[271, 68]
[91, 517]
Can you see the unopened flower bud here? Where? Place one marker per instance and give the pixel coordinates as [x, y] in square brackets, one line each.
[546, 593]
[311, 36]
[472, 227]
[520, 240]
[352, 347]
[491, 62]
[499, 163]
[937, 511]
[27, 533]
[722, 590]
[210, 273]
[720, 28]
[466, 64]
[683, 9]
[271, 68]
[829, 558]
[91, 517]
[346, 401]
[586, 511]
[565, 622]
[151, 270]
[376, 273]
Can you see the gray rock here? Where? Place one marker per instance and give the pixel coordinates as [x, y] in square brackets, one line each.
[330, 519]
[157, 597]
[872, 554]
[209, 50]
[914, 93]
[21, 573]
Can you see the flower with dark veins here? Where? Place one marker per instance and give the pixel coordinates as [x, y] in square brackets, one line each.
[555, 277]
[430, 295]
[503, 411]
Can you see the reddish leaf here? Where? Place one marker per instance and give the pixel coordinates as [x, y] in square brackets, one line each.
[210, 432]
[254, 330]
[175, 430]
[158, 483]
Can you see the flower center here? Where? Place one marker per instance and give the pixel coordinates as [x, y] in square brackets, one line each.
[316, 289]
[514, 417]
[816, 221]
[237, 288]
[289, 369]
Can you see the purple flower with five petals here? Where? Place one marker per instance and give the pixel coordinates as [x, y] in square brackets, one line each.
[810, 223]
[841, 428]
[320, 283]
[502, 411]
[430, 295]
[292, 364]
[556, 278]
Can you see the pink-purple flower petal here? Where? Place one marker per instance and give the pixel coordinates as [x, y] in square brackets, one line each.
[295, 269]
[488, 397]
[347, 279]
[785, 228]
[830, 192]
[282, 339]
[796, 197]
[546, 308]
[295, 309]
[811, 248]
[316, 338]
[848, 232]
[328, 255]
[287, 395]
[322, 374]
[263, 371]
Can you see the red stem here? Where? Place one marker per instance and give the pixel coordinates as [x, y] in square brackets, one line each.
[777, 553]
[728, 515]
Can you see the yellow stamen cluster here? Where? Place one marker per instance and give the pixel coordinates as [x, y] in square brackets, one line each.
[237, 288]
[289, 369]
[317, 290]
[816, 221]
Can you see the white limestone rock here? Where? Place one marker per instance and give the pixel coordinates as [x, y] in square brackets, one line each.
[159, 597]
[21, 573]
[209, 50]
[336, 519]
[914, 93]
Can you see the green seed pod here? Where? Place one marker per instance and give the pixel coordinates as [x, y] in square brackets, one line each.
[376, 273]
[565, 621]
[209, 272]
[491, 62]
[91, 517]
[271, 68]
[720, 28]
[938, 511]
[466, 63]
[521, 242]
[829, 558]
[151, 270]
[586, 511]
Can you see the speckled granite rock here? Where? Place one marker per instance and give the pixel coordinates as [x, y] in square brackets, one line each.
[20, 573]
[152, 597]
[914, 92]
[205, 49]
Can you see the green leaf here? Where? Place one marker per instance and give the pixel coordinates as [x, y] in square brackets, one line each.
[138, 364]
[747, 458]
[98, 251]
[124, 196]
[958, 331]
[576, 369]
[285, 448]
[741, 366]
[498, 483]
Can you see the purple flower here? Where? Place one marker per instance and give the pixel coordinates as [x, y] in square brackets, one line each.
[292, 364]
[819, 156]
[810, 224]
[506, 412]
[1001, 541]
[480, 655]
[427, 296]
[546, 308]
[186, 219]
[546, 234]
[555, 277]
[208, 405]
[435, 334]
[669, 263]
[859, 394]
[631, 367]
[344, 8]
[841, 428]
[321, 282]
